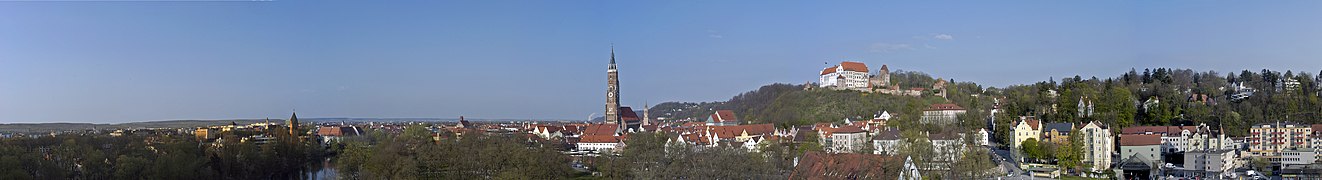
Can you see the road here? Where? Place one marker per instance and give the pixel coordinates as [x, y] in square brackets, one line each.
[1006, 163]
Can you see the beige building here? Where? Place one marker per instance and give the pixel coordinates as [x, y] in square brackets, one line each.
[942, 114]
[1097, 144]
[1271, 138]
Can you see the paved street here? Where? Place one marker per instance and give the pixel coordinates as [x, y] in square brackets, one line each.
[1008, 164]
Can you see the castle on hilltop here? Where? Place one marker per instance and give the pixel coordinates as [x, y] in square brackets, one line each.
[850, 75]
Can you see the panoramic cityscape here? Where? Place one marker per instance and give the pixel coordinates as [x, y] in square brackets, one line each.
[692, 90]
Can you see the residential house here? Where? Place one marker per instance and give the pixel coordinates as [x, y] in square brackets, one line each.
[846, 139]
[1207, 164]
[942, 114]
[1185, 138]
[1097, 145]
[820, 165]
[1028, 127]
[886, 142]
[948, 147]
[1057, 133]
[1270, 139]
[722, 118]
[1142, 156]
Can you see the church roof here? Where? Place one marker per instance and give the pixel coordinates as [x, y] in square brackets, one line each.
[627, 114]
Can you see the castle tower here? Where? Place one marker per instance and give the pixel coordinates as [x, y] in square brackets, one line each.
[612, 92]
[884, 75]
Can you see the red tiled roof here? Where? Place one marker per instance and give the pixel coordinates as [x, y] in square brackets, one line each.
[884, 68]
[723, 116]
[854, 66]
[939, 107]
[1140, 139]
[818, 165]
[1033, 123]
[1157, 129]
[829, 70]
[848, 66]
[337, 131]
[600, 129]
[628, 115]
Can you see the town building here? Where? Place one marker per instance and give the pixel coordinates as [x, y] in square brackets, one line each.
[942, 114]
[1097, 146]
[205, 133]
[1270, 139]
[740, 133]
[1210, 164]
[1057, 133]
[886, 141]
[1315, 140]
[1027, 127]
[599, 144]
[330, 134]
[1185, 138]
[846, 75]
[843, 139]
[1141, 154]
[948, 147]
[600, 138]
[722, 118]
[820, 165]
[1308, 171]
[1294, 156]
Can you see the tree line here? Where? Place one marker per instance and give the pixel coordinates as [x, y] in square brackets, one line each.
[415, 154]
[154, 157]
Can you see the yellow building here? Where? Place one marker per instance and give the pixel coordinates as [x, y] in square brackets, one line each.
[205, 133]
[1027, 127]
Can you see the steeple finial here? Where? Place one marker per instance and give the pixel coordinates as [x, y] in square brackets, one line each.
[612, 53]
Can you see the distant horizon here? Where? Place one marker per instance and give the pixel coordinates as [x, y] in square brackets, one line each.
[114, 62]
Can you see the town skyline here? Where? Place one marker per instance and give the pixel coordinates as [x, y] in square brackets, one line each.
[109, 63]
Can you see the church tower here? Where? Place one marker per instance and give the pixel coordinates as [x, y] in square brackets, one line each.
[612, 92]
[645, 116]
[293, 124]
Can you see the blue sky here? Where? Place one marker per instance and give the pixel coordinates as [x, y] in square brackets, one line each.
[110, 62]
